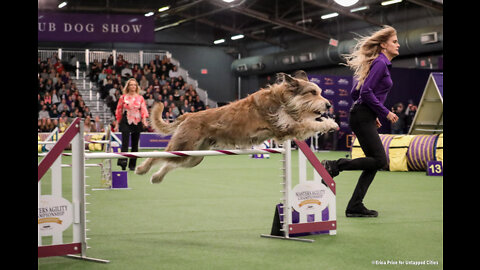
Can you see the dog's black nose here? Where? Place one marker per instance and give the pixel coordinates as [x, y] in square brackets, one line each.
[328, 105]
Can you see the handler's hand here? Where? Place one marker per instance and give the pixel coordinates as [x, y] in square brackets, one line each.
[378, 123]
[392, 117]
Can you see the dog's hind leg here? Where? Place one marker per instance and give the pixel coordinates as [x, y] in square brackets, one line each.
[158, 176]
[146, 165]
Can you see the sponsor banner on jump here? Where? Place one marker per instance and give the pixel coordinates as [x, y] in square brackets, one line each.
[95, 27]
[337, 90]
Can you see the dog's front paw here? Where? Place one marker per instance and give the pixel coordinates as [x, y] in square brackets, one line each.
[329, 124]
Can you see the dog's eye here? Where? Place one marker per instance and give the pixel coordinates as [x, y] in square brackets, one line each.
[313, 92]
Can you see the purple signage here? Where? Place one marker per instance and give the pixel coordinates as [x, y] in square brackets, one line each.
[95, 27]
[150, 140]
[337, 90]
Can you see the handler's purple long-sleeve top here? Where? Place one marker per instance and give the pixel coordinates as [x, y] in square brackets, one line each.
[376, 86]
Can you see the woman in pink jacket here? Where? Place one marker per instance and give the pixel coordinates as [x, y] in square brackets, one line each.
[131, 112]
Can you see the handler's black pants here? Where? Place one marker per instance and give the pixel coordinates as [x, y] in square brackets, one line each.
[363, 124]
[133, 131]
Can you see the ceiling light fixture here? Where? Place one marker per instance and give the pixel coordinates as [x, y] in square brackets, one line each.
[328, 16]
[162, 9]
[346, 3]
[237, 37]
[149, 14]
[218, 41]
[61, 5]
[358, 9]
[386, 3]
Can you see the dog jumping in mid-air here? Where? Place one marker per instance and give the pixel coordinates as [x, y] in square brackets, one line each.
[290, 108]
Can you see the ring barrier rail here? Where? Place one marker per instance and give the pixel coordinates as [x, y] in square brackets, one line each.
[309, 200]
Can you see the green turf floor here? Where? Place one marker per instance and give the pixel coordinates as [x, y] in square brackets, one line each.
[211, 217]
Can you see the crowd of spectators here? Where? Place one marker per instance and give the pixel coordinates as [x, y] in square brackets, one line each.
[159, 81]
[59, 99]
[58, 96]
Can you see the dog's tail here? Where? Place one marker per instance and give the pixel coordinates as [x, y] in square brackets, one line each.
[161, 126]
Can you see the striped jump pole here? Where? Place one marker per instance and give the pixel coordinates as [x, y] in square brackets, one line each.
[168, 154]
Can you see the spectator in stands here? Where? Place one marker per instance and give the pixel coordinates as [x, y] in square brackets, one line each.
[180, 81]
[409, 115]
[54, 112]
[110, 60]
[131, 112]
[120, 63]
[63, 106]
[399, 126]
[59, 67]
[44, 74]
[49, 126]
[199, 105]
[185, 108]
[109, 69]
[156, 85]
[47, 99]
[174, 112]
[87, 112]
[163, 71]
[62, 123]
[99, 127]
[174, 72]
[150, 101]
[54, 97]
[44, 113]
[95, 70]
[88, 126]
[147, 73]
[127, 72]
[144, 83]
[167, 64]
[102, 75]
[157, 62]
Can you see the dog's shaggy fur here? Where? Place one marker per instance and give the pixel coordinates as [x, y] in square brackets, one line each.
[290, 108]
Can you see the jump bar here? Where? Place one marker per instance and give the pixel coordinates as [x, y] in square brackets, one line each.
[199, 153]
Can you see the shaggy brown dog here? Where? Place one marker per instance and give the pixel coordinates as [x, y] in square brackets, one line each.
[285, 110]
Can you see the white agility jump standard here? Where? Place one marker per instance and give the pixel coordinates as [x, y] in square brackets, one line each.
[320, 192]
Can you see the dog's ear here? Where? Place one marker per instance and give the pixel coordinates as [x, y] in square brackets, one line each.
[300, 74]
[285, 78]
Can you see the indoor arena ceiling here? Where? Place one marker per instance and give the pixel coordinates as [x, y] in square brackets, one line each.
[260, 19]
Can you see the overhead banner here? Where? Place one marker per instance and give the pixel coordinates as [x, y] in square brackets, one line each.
[83, 27]
[337, 90]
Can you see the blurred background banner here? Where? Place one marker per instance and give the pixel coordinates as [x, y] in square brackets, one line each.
[95, 27]
[337, 90]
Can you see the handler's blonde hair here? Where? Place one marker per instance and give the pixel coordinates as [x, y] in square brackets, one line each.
[125, 89]
[365, 51]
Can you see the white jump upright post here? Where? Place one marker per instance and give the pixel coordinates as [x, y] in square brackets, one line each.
[310, 206]
[56, 213]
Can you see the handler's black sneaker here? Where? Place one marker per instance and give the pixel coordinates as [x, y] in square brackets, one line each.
[361, 212]
[331, 167]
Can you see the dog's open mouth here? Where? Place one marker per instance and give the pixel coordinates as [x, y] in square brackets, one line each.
[321, 115]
